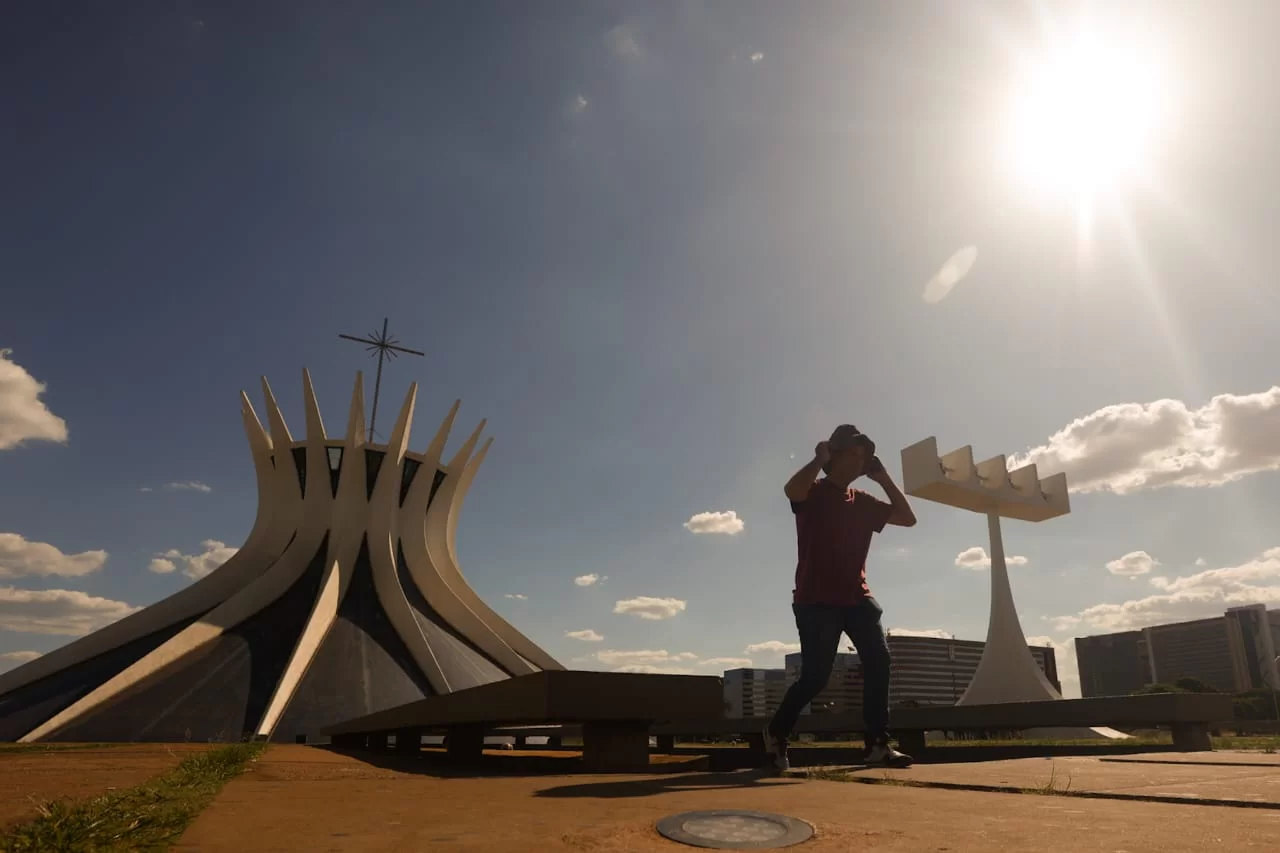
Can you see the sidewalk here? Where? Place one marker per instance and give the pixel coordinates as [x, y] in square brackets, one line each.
[303, 798]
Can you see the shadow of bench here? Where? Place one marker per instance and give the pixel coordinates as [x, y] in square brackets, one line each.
[615, 711]
[1188, 715]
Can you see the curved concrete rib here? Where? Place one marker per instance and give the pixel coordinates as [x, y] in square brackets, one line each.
[384, 532]
[423, 571]
[441, 517]
[252, 597]
[264, 544]
[345, 517]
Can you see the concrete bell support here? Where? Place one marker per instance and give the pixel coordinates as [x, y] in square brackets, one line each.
[1007, 671]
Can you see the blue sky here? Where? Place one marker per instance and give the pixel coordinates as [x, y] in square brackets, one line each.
[664, 249]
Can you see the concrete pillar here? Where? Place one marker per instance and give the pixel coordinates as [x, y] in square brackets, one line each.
[619, 745]
[555, 741]
[911, 742]
[465, 742]
[408, 740]
[666, 743]
[1192, 737]
[378, 742]
[522, 741]
[349, 741]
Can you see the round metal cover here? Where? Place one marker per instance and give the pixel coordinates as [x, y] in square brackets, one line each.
[734, 829]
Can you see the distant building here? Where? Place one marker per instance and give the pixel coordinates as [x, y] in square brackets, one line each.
[754, 692]
[926, 671]
[843, 693]
[937, 670]
[1232, 653]
[1113, 664]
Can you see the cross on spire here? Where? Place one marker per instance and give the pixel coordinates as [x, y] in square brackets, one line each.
[386, 347]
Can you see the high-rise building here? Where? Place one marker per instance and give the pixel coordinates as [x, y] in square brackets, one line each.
[754, 692]
[926, 671]
[937, 670]
[1232, 653]
[1253, 649]
[1113, 664]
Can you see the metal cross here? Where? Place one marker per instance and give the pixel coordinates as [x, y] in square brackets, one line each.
[386, 347]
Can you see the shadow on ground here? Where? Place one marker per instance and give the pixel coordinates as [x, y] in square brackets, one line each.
[436, 763]
[611, 789]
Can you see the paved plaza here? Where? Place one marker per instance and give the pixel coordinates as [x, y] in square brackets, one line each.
[304, 798]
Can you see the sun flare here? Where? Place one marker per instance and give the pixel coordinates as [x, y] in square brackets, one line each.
[1084, 117]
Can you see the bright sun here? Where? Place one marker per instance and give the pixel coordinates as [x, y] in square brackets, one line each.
[1084, 118]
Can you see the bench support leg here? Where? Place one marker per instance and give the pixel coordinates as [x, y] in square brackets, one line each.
[408, 740]
[1192, 737]
[378, 741]
[465, 742]
[666, 743]
[911, 742]
[349, 741]
[616, 745]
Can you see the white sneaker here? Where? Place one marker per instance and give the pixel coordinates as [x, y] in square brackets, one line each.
[776, 749]
[883, 755]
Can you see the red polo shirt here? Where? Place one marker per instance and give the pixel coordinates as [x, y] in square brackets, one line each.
[834, 527]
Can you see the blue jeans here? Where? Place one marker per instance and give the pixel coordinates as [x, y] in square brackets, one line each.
[820, 627]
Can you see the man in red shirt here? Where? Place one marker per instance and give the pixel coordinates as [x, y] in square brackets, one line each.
[834, 526]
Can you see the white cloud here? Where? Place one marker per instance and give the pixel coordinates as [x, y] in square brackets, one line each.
[8, 660]
[587, 636]
[1198, 596]
[579, 104]
[726, 522]
[726, 663]
[1132, 446]
[518, 596]
[1201, 561]
[23, 415]
[922, 632]
[624, 42]
[586, 580]
[647, 607]
[1064, 655]
[956, 268]
[146, 489]
[772, 647]
[57, 611]
[977, 558]
[194, 566]
[190, 486]
[22, 558]
[650, 669]
[757, 57]
[614, 657]
[1133, 564]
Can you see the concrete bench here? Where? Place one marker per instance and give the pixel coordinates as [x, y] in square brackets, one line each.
[614, 709]
[1188, 715]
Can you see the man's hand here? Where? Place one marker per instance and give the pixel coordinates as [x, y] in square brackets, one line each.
[822, 453]
[797, 488]
[875, 470]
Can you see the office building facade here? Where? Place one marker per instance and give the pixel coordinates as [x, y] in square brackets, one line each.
[754, 692]
[1231, 653]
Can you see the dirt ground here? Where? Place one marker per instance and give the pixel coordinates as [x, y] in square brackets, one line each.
[29, 778]
[304, 798]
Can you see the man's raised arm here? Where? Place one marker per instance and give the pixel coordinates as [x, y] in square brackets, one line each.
[797, 488]
[902, 515]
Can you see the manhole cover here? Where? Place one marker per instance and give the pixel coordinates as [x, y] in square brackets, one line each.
[731, 829]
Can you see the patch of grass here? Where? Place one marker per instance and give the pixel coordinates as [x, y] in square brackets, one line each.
[22, 748]
[148, 817]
